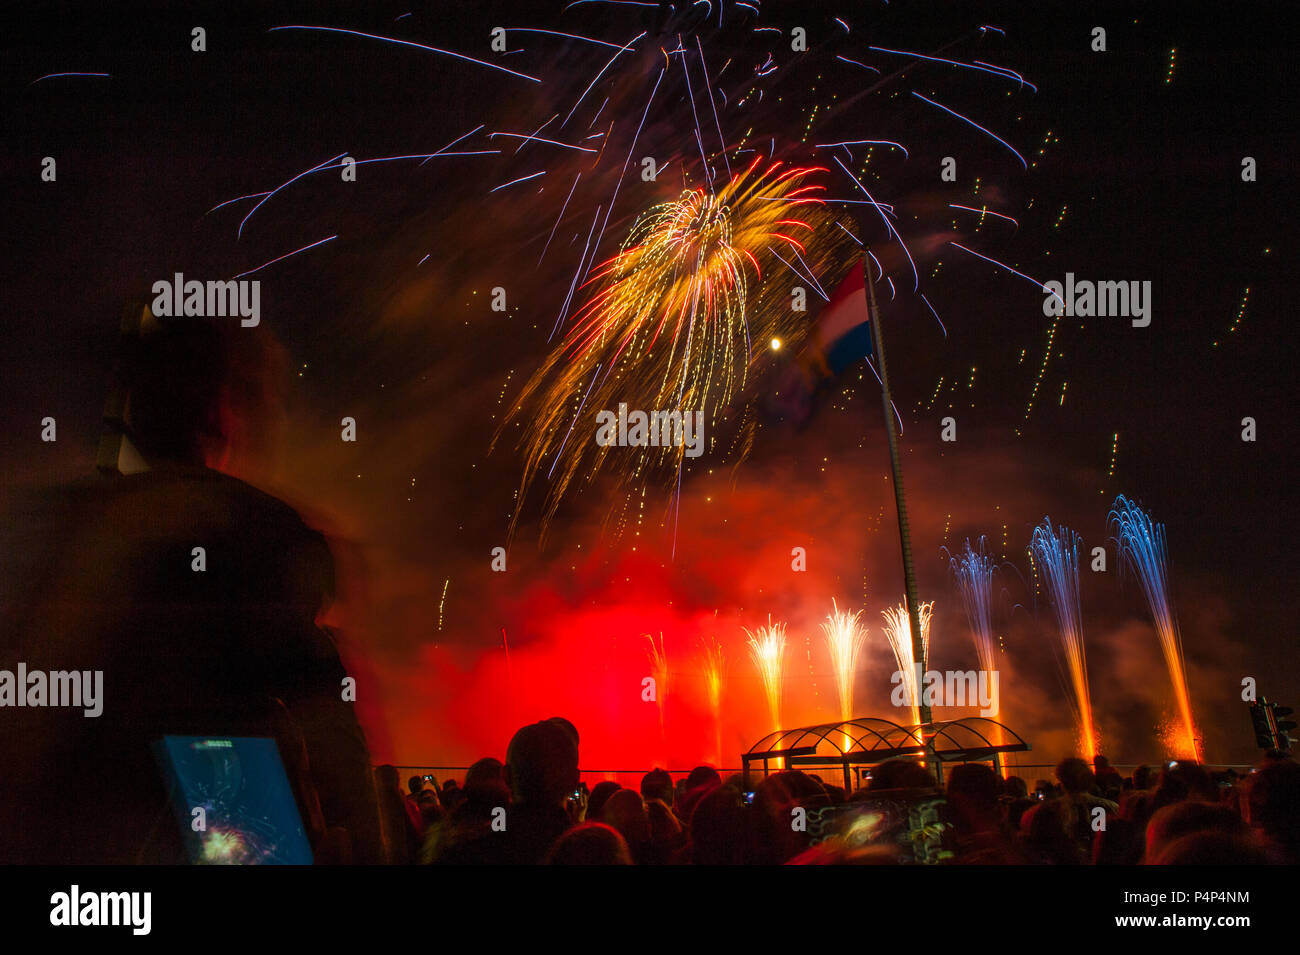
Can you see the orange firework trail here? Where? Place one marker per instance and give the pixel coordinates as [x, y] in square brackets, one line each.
[1056, 552]
[674, 323]
[845, 638]
[973, 571]
[1142, 548]
[767, 647]
[898, 631]
[659, 670]
[715, 665]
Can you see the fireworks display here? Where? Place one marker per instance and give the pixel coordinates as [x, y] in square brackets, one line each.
[643, 206]
[973, 569]
[715, 672]
[1141, 544]
[1055, 553]
[658, 658]
[672, 323]
[898, 631]
[845, 638]
[767, 649]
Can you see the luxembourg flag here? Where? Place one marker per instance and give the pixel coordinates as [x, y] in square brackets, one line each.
[842, 334]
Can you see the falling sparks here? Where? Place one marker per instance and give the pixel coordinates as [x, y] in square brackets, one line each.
[1056, 552]
[898, 631]
[715, 669]
[767, 648]
[671, 324]
[1241, 313]
[658, 657]
[973, 571]
[845, 638]
[1141, 544]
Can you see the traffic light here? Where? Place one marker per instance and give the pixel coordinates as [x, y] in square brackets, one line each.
[1270, 726]
[1280, 726]
[1259, 717]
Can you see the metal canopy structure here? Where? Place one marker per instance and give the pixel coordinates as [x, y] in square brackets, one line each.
[868, 741]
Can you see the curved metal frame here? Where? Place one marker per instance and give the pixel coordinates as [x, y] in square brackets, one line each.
[970, 738]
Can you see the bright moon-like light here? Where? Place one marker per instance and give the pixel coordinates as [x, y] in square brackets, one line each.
[776, 344]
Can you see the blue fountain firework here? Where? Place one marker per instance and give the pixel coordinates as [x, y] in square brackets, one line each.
[973, 570]
[1056, 552]
[1141, 548]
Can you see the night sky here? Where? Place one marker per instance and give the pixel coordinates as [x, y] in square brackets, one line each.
[1135, 161]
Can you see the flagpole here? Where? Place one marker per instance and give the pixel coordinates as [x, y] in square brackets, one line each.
[909, 576]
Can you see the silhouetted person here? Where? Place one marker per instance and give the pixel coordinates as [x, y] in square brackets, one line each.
[459, 836]
[1180, 781]
[701, 781]
[899, 774]
[1273, 804]
[1109, 781]
[658, 784]
[541, 771]
[399, 816]
[1077, 806]
[1172, 823]
[718, 829]
[190, 642]
[592, 843]
[666, 834]
[976, 813]
[1211, 848]
[600, 793]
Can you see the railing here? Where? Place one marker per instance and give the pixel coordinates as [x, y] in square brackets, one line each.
[631, 778]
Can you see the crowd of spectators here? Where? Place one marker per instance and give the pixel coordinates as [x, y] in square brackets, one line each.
[533, 809]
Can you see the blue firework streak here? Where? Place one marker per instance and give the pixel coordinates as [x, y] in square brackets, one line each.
[1056, 552]
[973, 570]
[1141, 547]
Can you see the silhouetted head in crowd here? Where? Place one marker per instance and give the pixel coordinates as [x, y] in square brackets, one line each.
[1015, 787]
[1211, 848]
[600, 794]
[415, 784]
[1135, 806]
[203, 392]
[658, 784]
[430, 806]
[569, 729]
[1142, 777]
[900, 774]
[486, 773]
[625, 811]
[973, 791]
[665, 831]
[1180, 780]
[1074, 775]
[702, 776]
[388, 779]
[1186, 818]
[1273, 804]
[1044, 832]
[542, 764]
[592, 843]
[718, 831]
